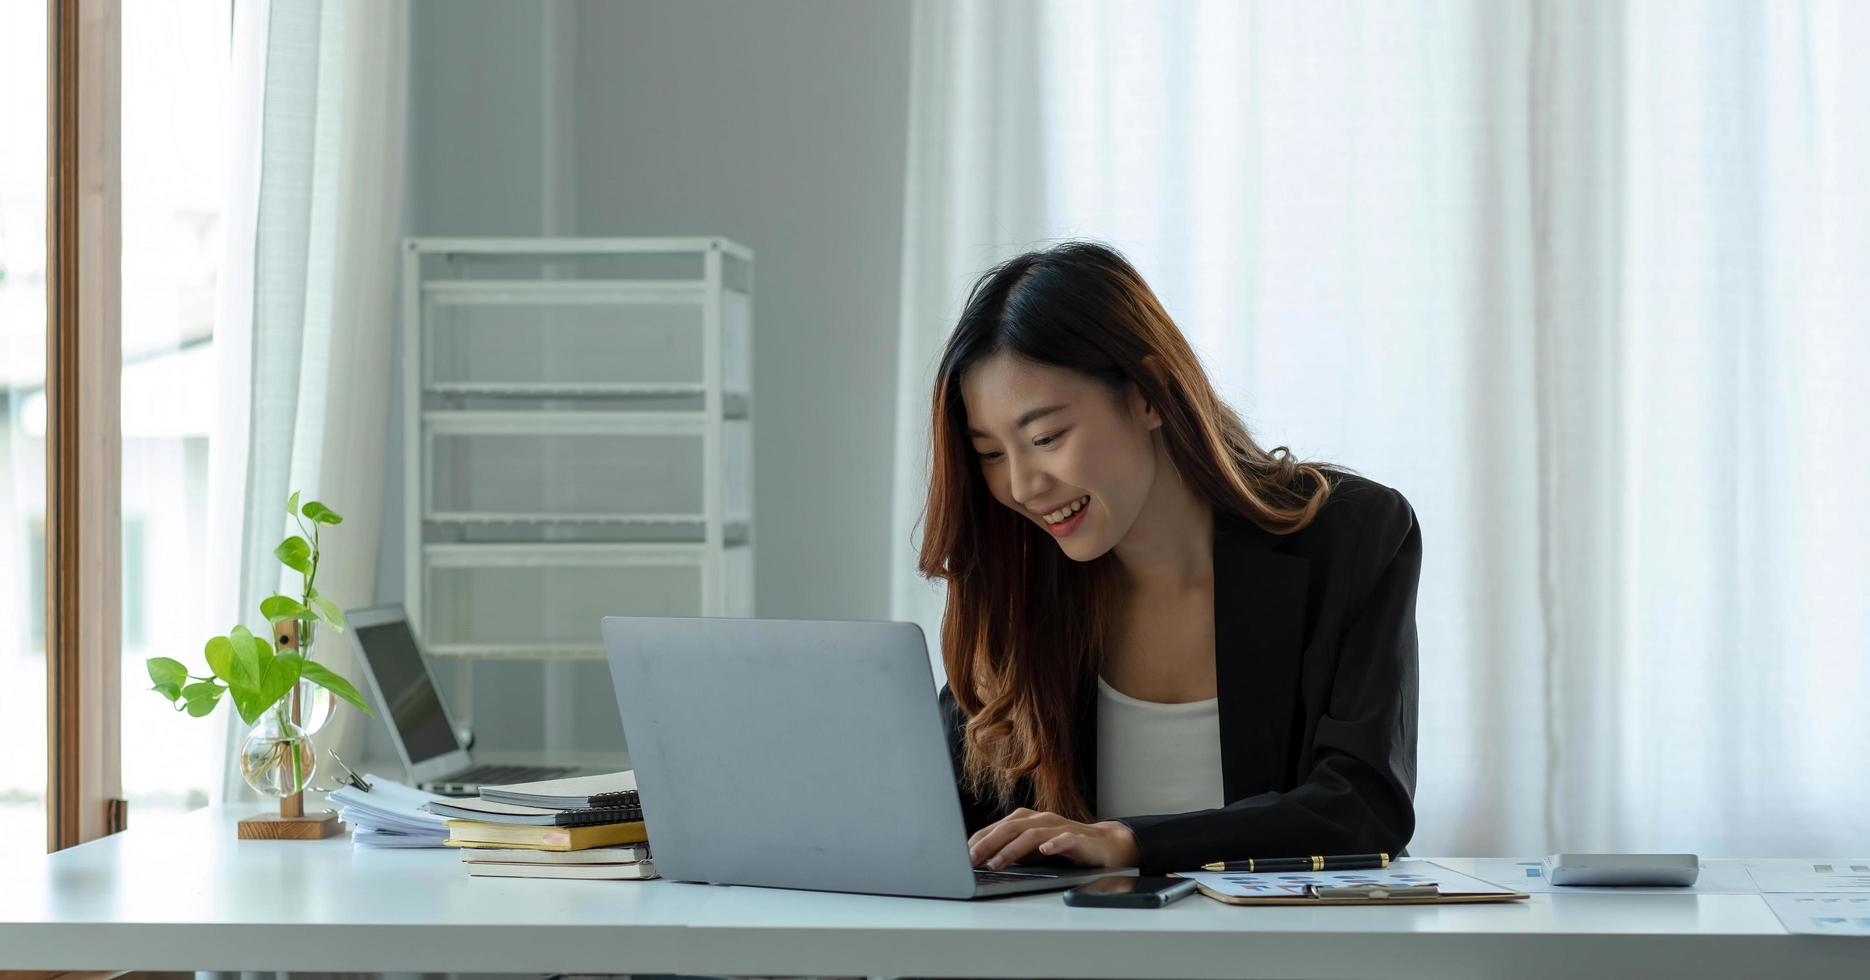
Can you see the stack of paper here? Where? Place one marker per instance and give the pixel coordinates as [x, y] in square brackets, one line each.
[389, 815]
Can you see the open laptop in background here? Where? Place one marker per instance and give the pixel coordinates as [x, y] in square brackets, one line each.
[419, 723]
[799, 755]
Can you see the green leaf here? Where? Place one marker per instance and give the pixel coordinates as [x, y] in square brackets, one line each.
[295, 554]
[319, 513]
[201, 698]
[220, 653]
[328, 611]
[278, 607]
[248, 704]
[292, 504]
[322, 676]
[272, 675]
[249, 669]
[282, 675]
[279, 676]
[168, 675]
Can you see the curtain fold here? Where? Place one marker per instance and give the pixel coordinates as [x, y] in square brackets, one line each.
[309, 306]
[1583, 281]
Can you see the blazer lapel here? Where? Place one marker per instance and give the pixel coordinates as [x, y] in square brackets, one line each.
[1084, 737]
[1259, 631]
[1259, 625]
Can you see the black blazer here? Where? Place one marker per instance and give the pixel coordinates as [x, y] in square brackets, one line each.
[1315, 665]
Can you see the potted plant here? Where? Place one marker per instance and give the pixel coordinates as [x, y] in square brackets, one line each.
[280, 692]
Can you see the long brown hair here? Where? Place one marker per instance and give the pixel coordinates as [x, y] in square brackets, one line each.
[1025, 623]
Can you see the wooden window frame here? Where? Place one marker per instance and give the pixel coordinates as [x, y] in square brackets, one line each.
[84, 443]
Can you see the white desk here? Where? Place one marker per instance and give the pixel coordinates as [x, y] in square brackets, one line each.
[208, 901]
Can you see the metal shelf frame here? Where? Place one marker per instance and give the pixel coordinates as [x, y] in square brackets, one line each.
[574, 407]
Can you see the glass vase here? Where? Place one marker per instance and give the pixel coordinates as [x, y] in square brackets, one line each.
[277, 759]
[316, 704]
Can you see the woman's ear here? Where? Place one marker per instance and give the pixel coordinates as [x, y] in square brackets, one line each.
[1140, 407]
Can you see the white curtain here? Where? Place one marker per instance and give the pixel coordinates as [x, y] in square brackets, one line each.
[1587, 282]
[308, 308]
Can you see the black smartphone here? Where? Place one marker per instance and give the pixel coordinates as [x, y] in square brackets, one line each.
[1129, 892]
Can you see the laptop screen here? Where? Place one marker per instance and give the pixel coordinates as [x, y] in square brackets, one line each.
[415, 709]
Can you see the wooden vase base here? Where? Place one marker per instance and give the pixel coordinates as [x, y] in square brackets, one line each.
[272, 826]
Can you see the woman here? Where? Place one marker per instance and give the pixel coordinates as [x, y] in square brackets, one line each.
[1165, 645]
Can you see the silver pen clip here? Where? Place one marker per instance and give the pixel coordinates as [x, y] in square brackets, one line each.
[1375, 893]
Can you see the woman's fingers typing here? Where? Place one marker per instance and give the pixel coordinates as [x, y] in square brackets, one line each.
[1022, 845]
[990, 839]
[1066, 843]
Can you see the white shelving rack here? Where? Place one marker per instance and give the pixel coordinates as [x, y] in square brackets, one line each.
[578, 438]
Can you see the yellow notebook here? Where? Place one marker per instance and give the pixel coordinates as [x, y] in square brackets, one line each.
[472, 833]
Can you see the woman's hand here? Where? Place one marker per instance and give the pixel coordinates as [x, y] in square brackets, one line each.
[1107, 843]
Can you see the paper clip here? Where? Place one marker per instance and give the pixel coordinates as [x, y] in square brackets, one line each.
[347, 777]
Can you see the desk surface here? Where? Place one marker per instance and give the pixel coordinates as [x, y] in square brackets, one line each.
[203, 900]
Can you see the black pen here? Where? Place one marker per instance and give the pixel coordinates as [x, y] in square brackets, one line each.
[1316, 862]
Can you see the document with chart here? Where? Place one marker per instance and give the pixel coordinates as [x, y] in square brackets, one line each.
[1823, 913]
[1269, 887]
[1799, 875]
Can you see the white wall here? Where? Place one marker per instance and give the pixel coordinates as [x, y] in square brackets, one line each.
[778, 124]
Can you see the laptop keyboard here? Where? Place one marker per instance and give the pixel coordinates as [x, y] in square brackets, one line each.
[1002, 877]
[507, 774]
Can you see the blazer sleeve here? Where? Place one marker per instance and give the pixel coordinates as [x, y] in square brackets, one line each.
[976, 811]
[1357, 797]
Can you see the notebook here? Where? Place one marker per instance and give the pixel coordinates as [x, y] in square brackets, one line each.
[489, 811]
[639, 871]
[573, 793]
[470, 833]
[501, 854]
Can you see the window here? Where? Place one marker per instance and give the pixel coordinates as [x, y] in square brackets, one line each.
[176, 75]
[22, 429]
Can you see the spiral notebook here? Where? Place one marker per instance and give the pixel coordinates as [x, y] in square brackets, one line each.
[489, 811]
[571, 793]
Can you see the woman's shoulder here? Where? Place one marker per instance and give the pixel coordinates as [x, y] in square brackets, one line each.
[1362, 505]
[1364, 529]
[1356, 510]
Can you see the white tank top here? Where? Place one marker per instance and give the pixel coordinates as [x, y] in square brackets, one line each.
[1154, 757]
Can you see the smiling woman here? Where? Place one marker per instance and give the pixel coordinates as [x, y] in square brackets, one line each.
[1151, 619]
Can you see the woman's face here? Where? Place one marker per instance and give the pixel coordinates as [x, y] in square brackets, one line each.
[1049, 439]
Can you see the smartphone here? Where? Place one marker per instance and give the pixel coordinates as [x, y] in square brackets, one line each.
[1129, 892]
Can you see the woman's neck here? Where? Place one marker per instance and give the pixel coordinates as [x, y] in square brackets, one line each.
[1170, 548]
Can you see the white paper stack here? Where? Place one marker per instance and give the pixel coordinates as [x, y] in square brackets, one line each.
[389, 815]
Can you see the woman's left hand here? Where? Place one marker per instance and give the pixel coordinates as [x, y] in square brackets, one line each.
[1107, 843]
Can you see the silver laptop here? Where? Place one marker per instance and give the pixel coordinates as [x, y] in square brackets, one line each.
[419, 723]
[799, 755]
